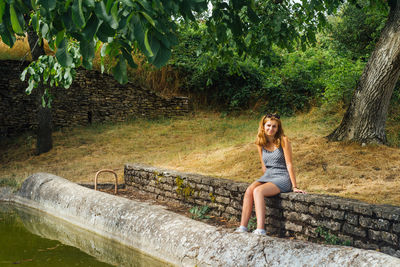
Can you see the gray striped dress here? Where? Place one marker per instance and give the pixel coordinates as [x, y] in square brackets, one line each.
[276, 172]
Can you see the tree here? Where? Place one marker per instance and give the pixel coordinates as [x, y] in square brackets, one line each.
[75, 29]
[365, 118]
[44, 141]
[252, 26]
[356, 28]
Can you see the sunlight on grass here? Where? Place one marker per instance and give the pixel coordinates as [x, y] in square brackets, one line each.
[211, 144]
[20, 50]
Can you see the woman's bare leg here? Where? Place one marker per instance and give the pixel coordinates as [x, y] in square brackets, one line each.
[259, 193]
[248, 203]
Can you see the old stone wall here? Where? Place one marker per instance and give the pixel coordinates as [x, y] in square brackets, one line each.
[360, 224]
[93, 97]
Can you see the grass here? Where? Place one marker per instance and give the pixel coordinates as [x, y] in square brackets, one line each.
[212, 144]
[20, 50]
[216, 145]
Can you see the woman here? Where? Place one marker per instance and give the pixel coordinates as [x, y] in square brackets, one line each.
[276, 162]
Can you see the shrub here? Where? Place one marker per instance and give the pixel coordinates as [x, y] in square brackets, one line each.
[226, 90]
[296, 83]
[341, 80]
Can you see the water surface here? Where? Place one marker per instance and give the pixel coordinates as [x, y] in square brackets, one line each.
[29, 237]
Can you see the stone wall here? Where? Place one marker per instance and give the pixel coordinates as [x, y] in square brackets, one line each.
[362, 225]
[93, 97]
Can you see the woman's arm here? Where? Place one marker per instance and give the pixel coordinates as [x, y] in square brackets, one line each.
[261, 159]
[287, 151]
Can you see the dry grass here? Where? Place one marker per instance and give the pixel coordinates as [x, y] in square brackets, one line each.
[211, 144]
[20, 50]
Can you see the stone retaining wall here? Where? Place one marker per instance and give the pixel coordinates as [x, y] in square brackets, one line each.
[362, 225]
[93, 97]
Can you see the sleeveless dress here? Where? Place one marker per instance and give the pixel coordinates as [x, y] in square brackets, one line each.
[276, 172]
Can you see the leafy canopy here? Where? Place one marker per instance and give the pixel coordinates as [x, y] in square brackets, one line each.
[120, 25]
[149, 26]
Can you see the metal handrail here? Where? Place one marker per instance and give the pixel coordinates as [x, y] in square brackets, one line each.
[106, 170]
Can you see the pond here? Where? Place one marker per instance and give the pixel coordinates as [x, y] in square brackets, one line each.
[33, 238]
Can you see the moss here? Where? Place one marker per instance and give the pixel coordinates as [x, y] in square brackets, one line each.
[183, 189]
[158, 177]
[212, 197]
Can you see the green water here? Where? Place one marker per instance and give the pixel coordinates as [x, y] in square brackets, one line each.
[32, 238]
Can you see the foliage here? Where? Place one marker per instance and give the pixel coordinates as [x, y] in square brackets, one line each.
[122, 26]
[226, 90]
[291, 81]
[341, 80]
[356, 29]
[11, 182]
[200, 212]
[252, 225]
[331, 239]
[292, 85]
[48, 71]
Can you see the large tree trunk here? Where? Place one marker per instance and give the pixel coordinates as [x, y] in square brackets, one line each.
[44, 141]
[364, 120]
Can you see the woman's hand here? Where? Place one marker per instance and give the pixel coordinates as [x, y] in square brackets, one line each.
[263, 168]
[296, 190]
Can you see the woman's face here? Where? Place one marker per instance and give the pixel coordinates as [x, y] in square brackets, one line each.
[270, 128]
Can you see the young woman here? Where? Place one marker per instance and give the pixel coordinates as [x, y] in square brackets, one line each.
[276, 162]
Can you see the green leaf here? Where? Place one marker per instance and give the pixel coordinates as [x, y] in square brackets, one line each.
[127, 2]
[15, 21]
[147, 44]
[109, 5]
[6, 36]
[2, 10]
[62, 54]
[23, 74]
[48, 4]
[59, 37]
[35, 22]
[44, 29]
[43, 101]
[103, 50]
[102, 14]
[119, 71]
[162, 56]
[114, 11]
[87, 48]
[105, 32]
[154, 45]
[89, 3]
[30, 87]
[77, 14]
[66, 19]
[129, 58]
[148, 18]
[91, 27]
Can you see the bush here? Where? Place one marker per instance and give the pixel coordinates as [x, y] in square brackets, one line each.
[296, 83]
[226, 90]
[341, 80]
